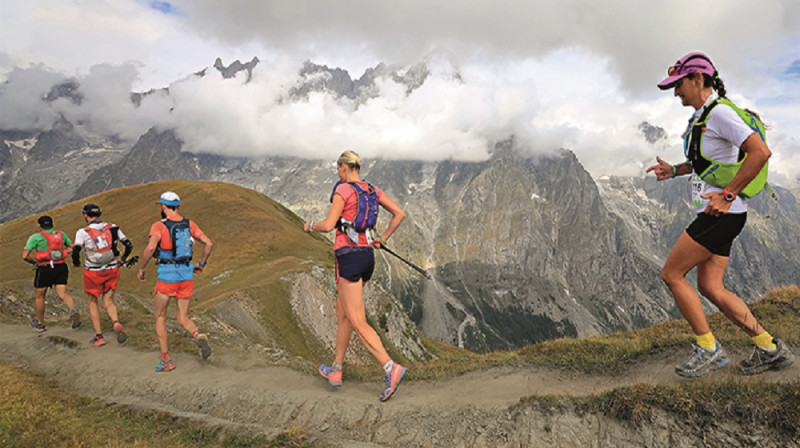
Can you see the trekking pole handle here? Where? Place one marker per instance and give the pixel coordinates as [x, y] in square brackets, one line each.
[410, 264]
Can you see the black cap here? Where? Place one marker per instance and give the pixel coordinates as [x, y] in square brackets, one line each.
[45, 222]
[91, 210]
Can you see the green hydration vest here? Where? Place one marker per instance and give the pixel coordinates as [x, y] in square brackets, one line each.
[720, 174]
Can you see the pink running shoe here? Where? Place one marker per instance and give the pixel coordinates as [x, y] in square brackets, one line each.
[334, 377]
[165, 365]
[392, 381]
[97, 342]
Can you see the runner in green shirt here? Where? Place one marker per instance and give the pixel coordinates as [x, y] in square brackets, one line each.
[47, 250]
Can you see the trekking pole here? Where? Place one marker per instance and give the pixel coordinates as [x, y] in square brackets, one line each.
[412, 265]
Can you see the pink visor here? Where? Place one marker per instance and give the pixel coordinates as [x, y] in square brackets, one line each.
[685, 66]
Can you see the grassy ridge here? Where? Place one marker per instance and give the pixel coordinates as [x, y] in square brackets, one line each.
[778, 311]
[34, 413]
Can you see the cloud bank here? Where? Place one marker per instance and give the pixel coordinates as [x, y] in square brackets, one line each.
[569, 75]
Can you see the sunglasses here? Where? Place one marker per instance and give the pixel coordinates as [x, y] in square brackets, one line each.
[681, 66]
[677, 68]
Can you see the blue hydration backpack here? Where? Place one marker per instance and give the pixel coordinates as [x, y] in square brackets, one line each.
[368, 207]
[181, 237]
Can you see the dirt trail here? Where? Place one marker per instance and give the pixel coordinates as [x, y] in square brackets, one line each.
[475, 409]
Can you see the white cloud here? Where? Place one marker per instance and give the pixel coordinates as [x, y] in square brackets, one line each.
[572, 74]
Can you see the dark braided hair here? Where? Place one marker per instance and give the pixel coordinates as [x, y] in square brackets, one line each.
[716, 84]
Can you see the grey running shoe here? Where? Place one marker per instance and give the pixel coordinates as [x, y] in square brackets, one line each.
[121, 336]
[702, 360]
[75, 318]
[202, 345]
[761, 360]
[38, 326]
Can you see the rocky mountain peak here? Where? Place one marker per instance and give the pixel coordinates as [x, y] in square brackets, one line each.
[652, 133]
[236, 67]
[68, 89]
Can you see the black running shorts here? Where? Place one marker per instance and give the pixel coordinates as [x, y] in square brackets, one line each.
[355, 263]
[47, 276]
[716, 233]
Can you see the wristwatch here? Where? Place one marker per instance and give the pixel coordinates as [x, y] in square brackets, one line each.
[730, 197]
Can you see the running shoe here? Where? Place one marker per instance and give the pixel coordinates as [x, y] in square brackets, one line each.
[36, 325]
[334, 377]
[75, 318]
[202, 344]
[761, 360]
[702, 360]
[392, 381]
[121, 336]
[165, 366]
[97, 341]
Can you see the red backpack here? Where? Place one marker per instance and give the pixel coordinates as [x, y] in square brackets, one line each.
[101, 249]
[55, 248]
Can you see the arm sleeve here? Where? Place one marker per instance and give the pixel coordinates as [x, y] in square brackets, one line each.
[76, 255]
[128, 249]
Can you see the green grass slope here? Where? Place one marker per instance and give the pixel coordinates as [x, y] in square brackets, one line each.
[256, 242]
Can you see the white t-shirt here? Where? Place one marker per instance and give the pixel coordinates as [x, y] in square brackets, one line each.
[725, 133]
[82, 238]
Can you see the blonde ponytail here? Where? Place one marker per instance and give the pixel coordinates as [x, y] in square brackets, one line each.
[351, 159]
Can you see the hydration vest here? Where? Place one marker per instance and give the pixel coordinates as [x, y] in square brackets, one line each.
[181, 237]
[100, 250]
[367, 211]
[720, 174]
[55, 252]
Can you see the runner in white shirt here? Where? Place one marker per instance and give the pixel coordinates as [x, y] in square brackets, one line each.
[100, 269]
[721, 215]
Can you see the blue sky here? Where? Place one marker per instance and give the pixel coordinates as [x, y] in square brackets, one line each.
[163, 7]
[575, 74]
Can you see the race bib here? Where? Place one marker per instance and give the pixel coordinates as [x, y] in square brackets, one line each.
[697, 190]
[101, 242]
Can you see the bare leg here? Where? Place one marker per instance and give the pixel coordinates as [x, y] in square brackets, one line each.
[38, 304]
[351, 295]
[343, 331]
[685, 255]
[108, 303]
[709, 282]
[161, 305]
[61, 290]
[183, 316]
[94, 313]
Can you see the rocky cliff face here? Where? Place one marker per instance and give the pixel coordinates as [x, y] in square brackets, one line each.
[763, 256]
[521, 250]
[40, 170]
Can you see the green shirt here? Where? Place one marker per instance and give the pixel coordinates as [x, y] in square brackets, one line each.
[39, 243]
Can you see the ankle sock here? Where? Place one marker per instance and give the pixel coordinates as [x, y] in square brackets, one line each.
[195, 333]
[388, 367]
[707, 341]
[764, 342]
[336, 366]
[164, 356]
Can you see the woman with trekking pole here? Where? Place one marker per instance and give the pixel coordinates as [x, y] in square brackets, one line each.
[353, 213]
[726, 155]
